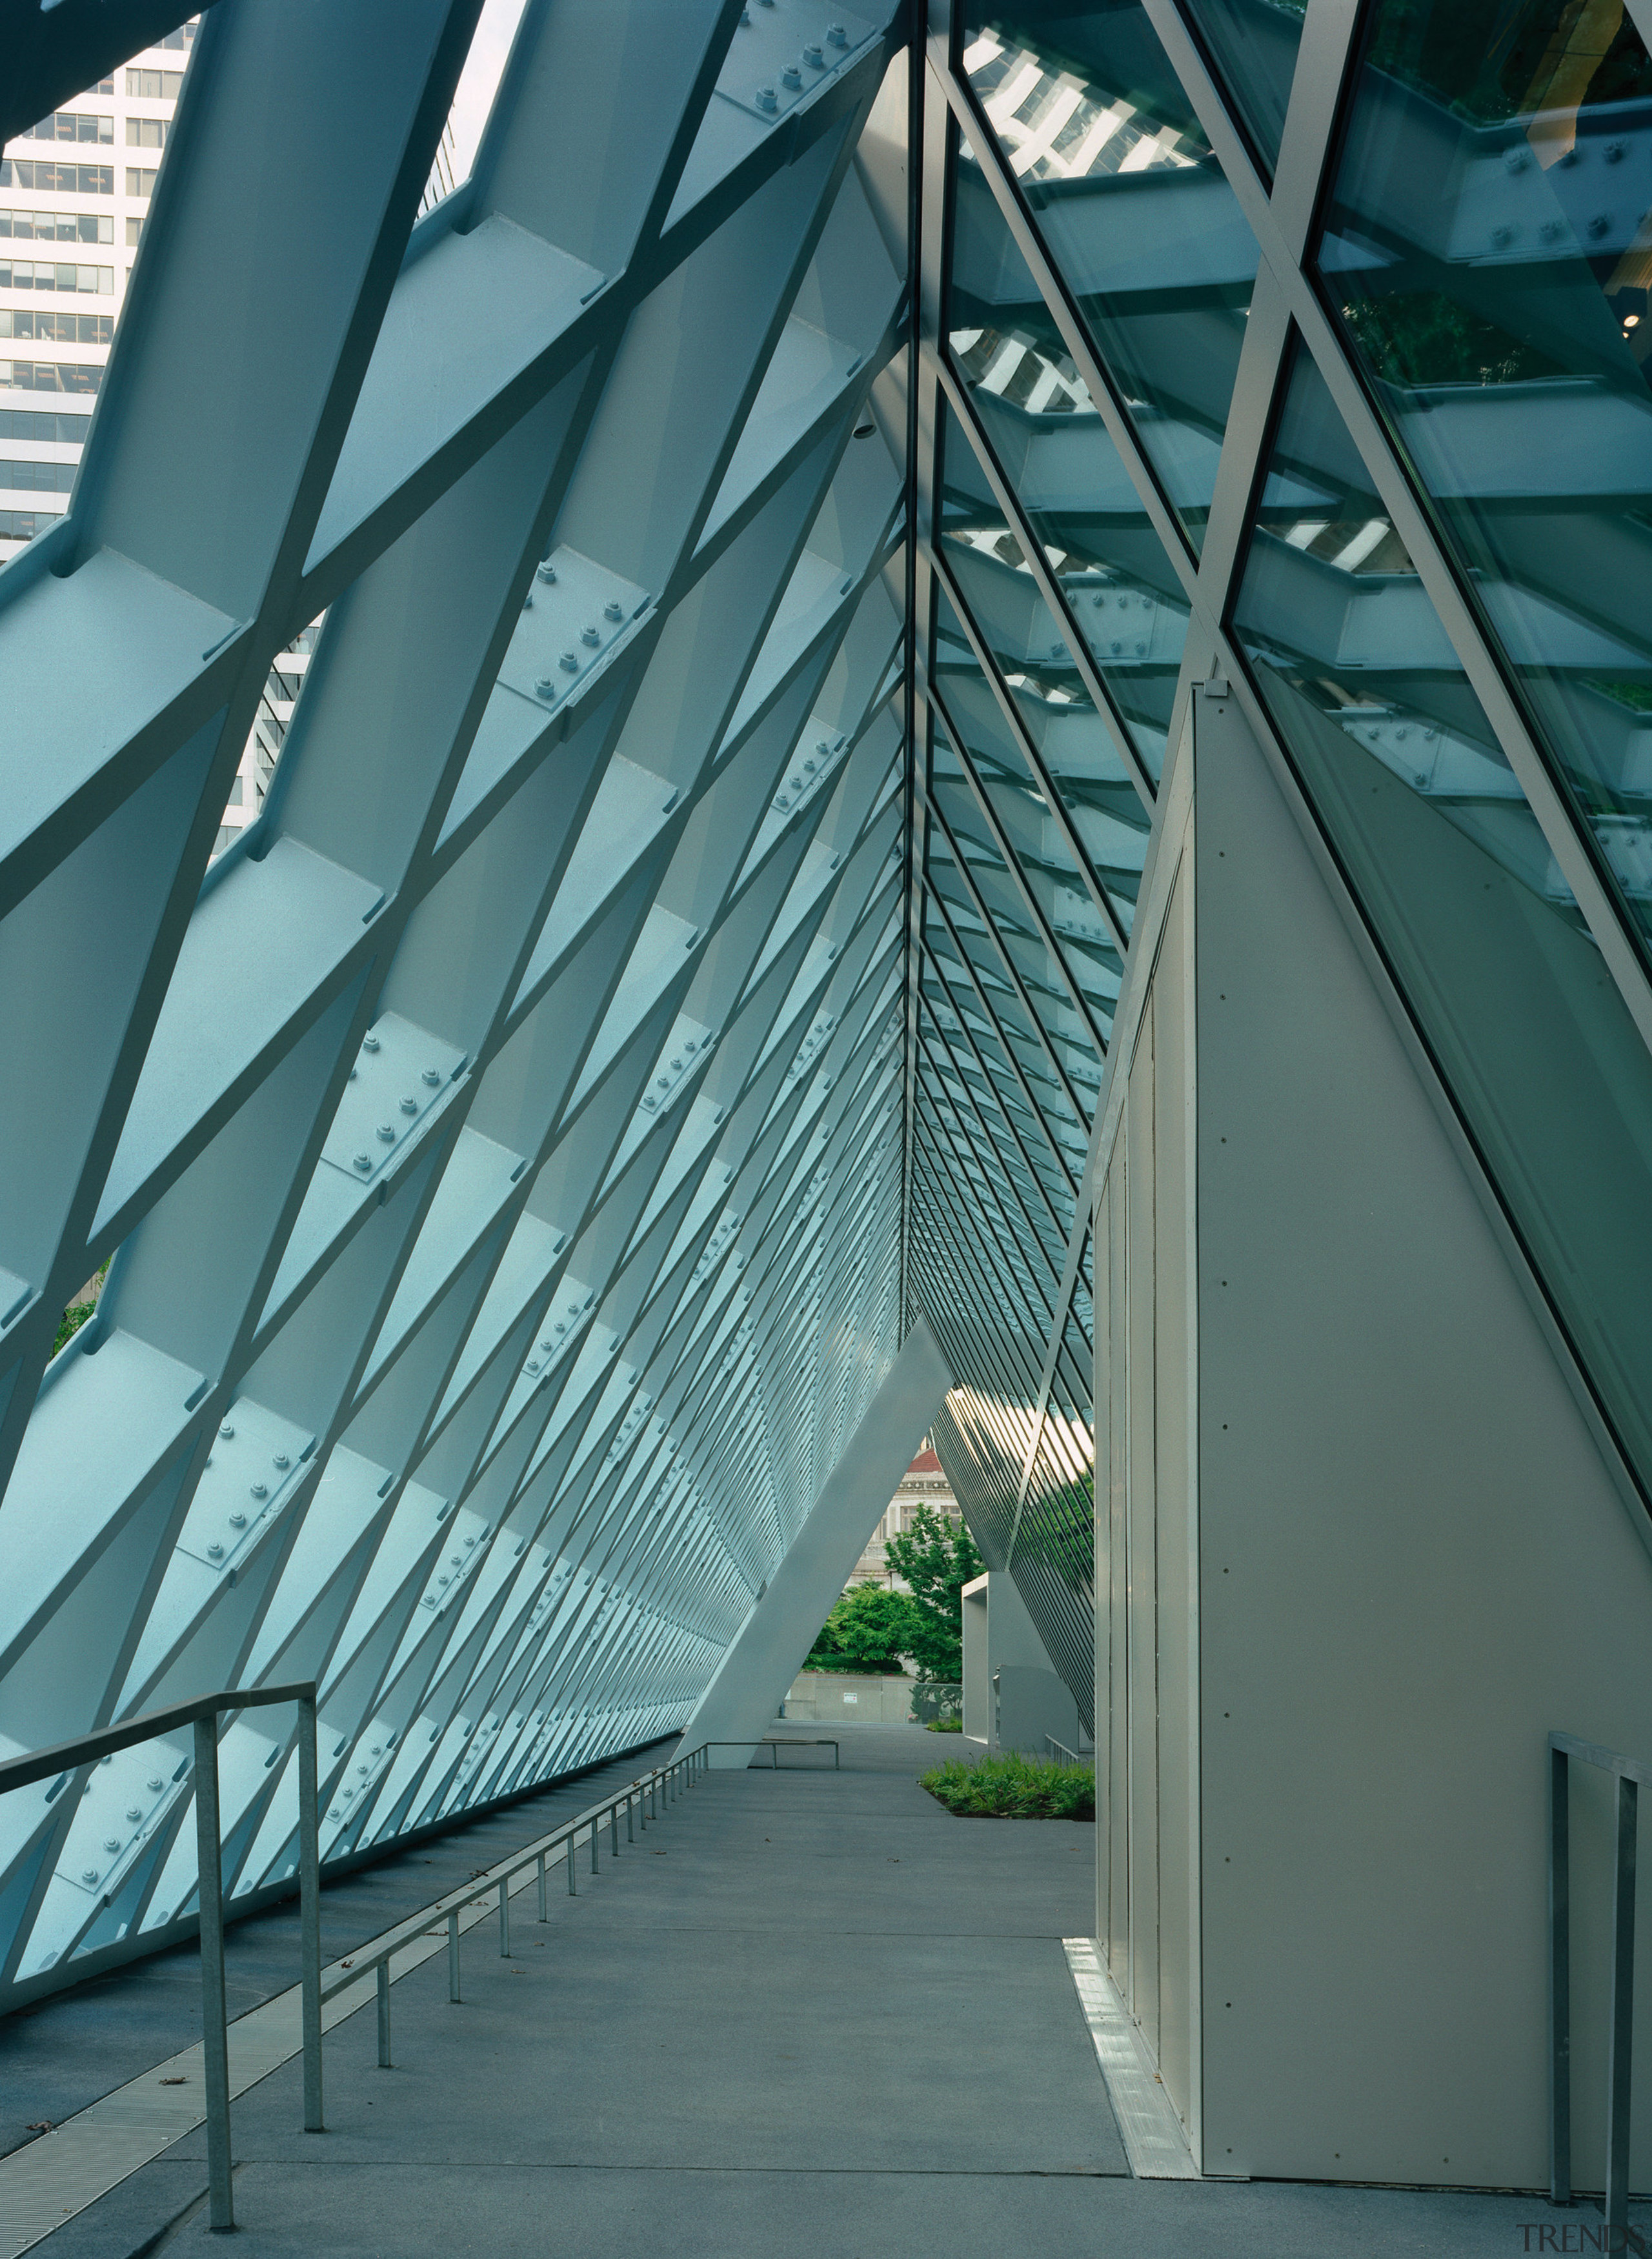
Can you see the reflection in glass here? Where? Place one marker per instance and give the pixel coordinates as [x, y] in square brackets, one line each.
[1441, 846]
[1133, 208]
[1066, 474]
[1253, 44]
[1490, 247]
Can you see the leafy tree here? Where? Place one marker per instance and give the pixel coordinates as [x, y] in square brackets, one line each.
[868, 1630]
[936, 1560]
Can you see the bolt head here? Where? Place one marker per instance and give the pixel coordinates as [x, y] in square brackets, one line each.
[547, 571]
[215, 1552]
[590, 637]
[238, 1521]
[369, 1042]
[410, 1106]
[814, 58]
[134, 1812]
[569, 662]
[89, 1874]
[281, 1459]
[258, 1490]
[155, 1783]
[614, 609]
[791, 76]
[226, 1428]
[431, 1075]
[835, 35]
[386, 1134]
[364, 1162]
[765, 96]
[544, 686]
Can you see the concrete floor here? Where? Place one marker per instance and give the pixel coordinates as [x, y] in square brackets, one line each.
[812, 2016]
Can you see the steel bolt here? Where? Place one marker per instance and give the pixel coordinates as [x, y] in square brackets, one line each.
[134, 1812]
[544, 686]
[1599, 225]
[226, 1428]
[814, 58]
[364, 1161]
[238, 1521]
[836, 36]
[215, 1552]
[765, 94]
[547, 571]
[387, 1133]
[410, 1106]
[791, 76]
[257, 1490]
[281, 1459]
[431, 1075]
[89, 1874]
[590, 637]
[369, 1042]
[155, 1783]
[570, 662]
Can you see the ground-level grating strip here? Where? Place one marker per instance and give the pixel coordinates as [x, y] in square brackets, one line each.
[1152, 2134]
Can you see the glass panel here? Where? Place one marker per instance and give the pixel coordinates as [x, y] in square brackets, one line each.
[1114, 847]
[1066, 474]
[1253, 45]
[1134, 212]
[1043, 975]
[1490, 247]
[1438, 843]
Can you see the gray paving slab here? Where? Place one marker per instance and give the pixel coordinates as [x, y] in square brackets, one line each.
[767, 2032]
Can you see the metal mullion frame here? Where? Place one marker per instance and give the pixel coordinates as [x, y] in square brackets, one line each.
[1448, 584]
[1018, 878]
[967, 1254]
[1018, 1074]
[981, 1487]
[967, 881]
[984, 1222]
[926, 243]
[1051, 287]
[991, 1017]
[1032, 549]
[996, 1386]
[1045, 779]
[1083, 1224]
[996, 1220]
[990, 1080]
[951, 1088]
[988, 1142]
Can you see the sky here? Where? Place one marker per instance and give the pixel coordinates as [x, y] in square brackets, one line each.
[477, 82]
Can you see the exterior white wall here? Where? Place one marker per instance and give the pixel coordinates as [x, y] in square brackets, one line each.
[1013, 1696]
[1408, 1560]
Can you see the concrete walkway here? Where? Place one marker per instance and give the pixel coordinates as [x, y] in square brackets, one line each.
[810, 2016]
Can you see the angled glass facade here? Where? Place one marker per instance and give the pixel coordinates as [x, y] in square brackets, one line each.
[696, 924]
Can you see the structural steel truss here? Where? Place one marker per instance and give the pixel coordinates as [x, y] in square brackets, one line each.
[499, 1148]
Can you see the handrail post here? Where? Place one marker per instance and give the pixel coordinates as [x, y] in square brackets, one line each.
[630, 1834]
[504, 1917]
[613, 1831]
[567, 1856]
[452, 1953]
[594, 1867]
[310, 1911]
[384, 2015]
[543, 1913]
[1621, 2028]
[215, 2039]
[1559, 1978]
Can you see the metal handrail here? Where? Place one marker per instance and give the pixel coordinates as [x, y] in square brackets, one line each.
[88, 1749]
[634, 1800]
[1562, 1747]
[639, 1800]
[792, 1741]
[1073, 1756]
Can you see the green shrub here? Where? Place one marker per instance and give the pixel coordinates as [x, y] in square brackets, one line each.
[1012, 1787]
[945, 1726]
